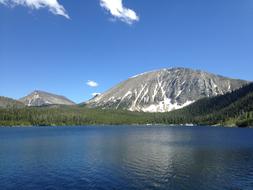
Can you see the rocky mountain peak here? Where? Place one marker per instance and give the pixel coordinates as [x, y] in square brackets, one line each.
[41, 98]
[164, 90]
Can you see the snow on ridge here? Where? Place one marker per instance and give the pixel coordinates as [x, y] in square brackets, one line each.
[139, 75]
[148, 72]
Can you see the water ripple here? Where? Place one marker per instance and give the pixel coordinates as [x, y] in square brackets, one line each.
[126, 158]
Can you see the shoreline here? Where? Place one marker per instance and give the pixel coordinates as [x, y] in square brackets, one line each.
[122, 125]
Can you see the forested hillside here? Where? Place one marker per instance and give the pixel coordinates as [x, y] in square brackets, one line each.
[233, 108]
[70, 115]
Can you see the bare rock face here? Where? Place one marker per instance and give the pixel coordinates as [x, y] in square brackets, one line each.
[40, 98]
[164, 90]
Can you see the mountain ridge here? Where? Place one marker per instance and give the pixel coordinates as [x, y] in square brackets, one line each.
[164, 90]
[42, 98]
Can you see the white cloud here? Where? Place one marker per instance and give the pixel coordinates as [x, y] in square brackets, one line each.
[95, 94]
[92, 83]
[116, 8]
[52, 5]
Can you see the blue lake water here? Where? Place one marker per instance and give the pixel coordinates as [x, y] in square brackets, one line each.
[129, 158]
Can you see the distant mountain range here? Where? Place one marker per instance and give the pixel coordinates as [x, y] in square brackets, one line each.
[231, 109]
[156, 91]
[164, 90]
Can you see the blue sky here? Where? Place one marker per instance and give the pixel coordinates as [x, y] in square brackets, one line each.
[41, 48]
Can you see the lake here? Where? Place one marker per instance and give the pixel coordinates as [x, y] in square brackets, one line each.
[127, 158]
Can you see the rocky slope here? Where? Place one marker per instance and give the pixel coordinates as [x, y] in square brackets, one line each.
[164, 90]
[40, 98]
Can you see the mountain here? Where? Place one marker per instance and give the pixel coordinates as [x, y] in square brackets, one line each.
[164, 90]
[40, 98]
[10, 103]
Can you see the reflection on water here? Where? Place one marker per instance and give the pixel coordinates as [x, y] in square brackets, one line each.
[175, 158]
